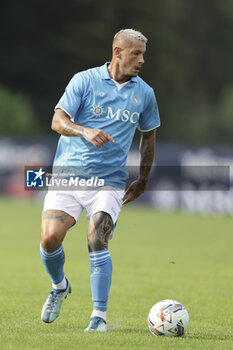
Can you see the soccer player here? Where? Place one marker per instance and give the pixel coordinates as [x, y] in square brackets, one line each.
[97, 117]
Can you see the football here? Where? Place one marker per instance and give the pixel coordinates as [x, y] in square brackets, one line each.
[168, 317]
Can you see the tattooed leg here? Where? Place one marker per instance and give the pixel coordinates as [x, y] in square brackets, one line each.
[54, 226]
[100, 227]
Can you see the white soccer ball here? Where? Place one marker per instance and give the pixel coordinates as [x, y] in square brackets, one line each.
[168, 317]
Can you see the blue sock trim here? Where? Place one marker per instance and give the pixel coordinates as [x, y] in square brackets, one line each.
[53, 254]
[98, 258]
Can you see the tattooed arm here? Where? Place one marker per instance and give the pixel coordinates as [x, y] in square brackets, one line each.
[62, 124]
[147, 151]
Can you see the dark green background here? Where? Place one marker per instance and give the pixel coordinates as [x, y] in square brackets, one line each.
[188, 61]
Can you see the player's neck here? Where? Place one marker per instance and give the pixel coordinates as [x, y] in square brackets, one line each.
[116, 75]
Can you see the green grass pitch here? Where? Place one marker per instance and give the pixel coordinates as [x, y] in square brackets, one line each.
[155, 256]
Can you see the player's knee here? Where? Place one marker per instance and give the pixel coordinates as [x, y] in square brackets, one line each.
[100, 228]
[96, 243]
[49, 240]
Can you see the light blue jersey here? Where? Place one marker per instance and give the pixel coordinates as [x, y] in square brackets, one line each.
[93, 100]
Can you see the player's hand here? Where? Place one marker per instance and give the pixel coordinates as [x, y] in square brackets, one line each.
[97, 137]
[135, 189]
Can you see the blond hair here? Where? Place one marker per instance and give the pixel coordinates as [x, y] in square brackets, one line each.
[130, 35]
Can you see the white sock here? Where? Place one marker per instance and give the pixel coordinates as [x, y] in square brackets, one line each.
[61, 285]
[98, 313]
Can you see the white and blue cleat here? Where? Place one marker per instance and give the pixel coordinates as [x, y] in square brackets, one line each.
[52, 306]
[97, 324]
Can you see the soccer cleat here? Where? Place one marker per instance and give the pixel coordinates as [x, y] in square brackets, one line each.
[97, 324]
[52, 306]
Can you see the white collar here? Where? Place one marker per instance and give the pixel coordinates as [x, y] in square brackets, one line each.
[120, 86]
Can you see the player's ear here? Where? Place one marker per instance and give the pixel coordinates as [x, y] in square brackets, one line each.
[117, 51]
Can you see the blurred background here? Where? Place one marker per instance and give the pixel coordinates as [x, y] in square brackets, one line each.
[188, 63]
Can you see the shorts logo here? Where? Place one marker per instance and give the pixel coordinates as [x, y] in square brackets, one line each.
[34, 178]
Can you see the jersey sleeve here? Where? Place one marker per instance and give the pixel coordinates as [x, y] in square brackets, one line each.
[149, 118]
[72, 97]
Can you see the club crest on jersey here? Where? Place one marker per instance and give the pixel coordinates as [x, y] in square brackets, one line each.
[135, 100]
[98, 110]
